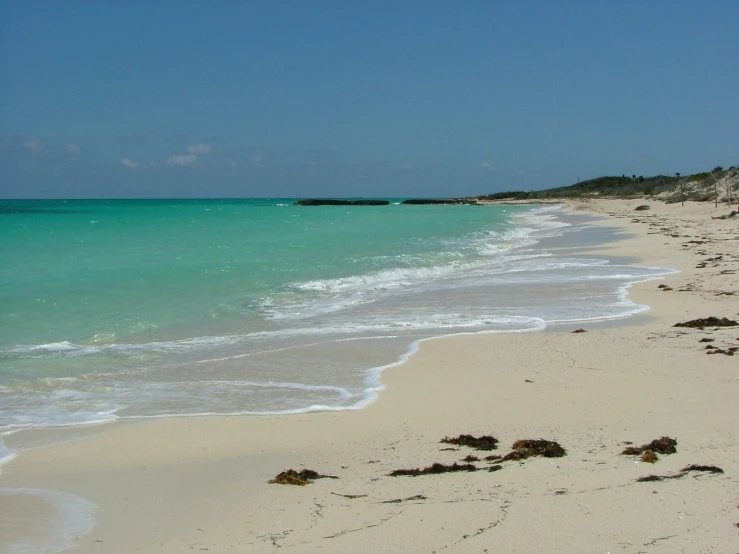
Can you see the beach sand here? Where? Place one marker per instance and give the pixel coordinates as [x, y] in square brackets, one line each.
[201, 484]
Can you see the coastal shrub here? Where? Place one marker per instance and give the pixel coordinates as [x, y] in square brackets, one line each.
[485, 442]
[699, 176]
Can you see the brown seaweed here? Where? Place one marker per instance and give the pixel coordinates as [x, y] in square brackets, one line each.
[485, 442]
[300, 478]
[649, 456]
[648, 478]
[710, 469]
[540, 447]
[662, 445]
[433, 469]
[522, 449]
[708, 322]
[727, 352]
[682, 473]
[399, 500]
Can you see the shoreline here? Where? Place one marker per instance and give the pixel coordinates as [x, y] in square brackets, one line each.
[363, 390]
[202, 481]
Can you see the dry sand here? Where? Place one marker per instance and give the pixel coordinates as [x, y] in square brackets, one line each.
[200, 484]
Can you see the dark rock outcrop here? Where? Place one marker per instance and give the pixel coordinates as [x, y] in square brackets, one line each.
[335, 202]
[472, 201]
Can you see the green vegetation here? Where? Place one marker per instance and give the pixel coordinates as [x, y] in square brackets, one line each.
[699, 176]
[675, 188]
[601, 186]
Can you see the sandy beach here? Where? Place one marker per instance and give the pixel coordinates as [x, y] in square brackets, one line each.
[201, 484]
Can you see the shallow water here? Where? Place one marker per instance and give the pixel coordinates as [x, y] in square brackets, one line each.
[119, 309]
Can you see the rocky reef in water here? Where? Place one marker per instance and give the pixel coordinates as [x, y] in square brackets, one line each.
[335, 202]
[375, 202]
[472, 201]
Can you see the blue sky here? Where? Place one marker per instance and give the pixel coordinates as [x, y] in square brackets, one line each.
[410, 98]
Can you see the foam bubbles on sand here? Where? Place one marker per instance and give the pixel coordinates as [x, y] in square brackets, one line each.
[42, 521]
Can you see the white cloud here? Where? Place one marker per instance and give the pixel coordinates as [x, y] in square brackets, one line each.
[33, 145]
[200, 148]
[257, 156]
[129, 163]
[487, 166]
[74, 149]
[181, 160]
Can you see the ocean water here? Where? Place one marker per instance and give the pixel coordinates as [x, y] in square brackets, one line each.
[129, 309]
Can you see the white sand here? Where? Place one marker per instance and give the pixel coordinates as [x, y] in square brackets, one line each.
[200, 484]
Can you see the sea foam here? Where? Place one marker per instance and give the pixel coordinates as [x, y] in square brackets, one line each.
[318, 337]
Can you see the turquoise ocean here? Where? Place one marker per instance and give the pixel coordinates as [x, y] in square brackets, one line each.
[155, 308]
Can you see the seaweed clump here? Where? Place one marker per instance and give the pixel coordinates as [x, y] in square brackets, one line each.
[729, 352]
[299, 478]
[649, 456]
[527, 448]
[709, 469]
[485, 442]
[662, 445]
[399, 500]
[433, 469]
[708, 322]
[649, 478]
[682, 473]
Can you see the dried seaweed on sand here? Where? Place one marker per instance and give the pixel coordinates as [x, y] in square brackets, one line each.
[300, 478]
[662, 445]
[485, 442]
[527, 448]
[433, 469]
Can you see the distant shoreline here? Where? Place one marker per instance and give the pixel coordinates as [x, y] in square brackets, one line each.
[379, 202]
